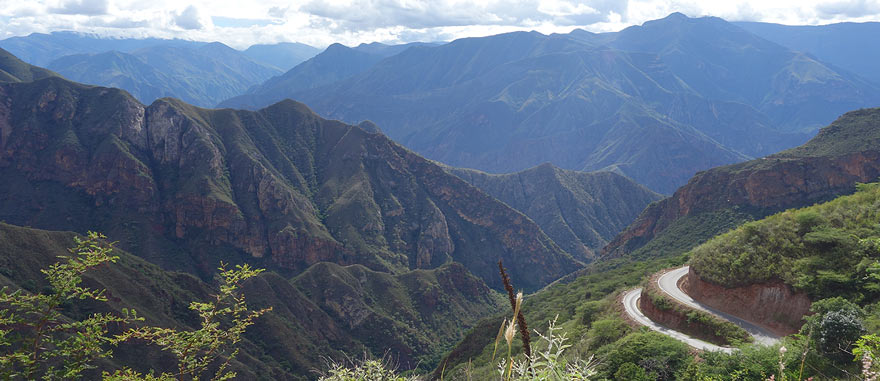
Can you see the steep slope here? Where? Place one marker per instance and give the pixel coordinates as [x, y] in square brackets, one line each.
[580, 211]
[327, 310]
[822, 251]
[201, 75]
[657, 102]
[283, 55]
[186, 187]
[829, 165]
[13, 69]
[850, 46]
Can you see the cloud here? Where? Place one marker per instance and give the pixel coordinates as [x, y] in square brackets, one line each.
[82, 7]
[189, 19]
[848, 8]
[362, 15]
[278, 12]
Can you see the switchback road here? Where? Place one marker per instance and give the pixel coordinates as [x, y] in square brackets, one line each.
[668, 283]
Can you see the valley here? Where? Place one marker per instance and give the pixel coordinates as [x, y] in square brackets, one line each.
[680, 198]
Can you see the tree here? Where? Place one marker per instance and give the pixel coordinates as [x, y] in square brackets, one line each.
[37, 340]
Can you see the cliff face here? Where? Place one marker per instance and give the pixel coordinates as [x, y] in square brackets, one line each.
[775, 305]
[846, 152]
[186, 187]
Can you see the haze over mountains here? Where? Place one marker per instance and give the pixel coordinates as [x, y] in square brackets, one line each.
[196, 72]
[656, 102]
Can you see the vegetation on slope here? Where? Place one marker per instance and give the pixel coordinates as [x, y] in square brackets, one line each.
[13, 69]
[715, 200]
[829, 249]
[580, 211]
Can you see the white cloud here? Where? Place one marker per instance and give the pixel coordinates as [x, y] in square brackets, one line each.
[322, 22]
[189, 19]
[82, 7]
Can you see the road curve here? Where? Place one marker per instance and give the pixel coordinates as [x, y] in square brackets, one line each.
[668, 283]
[631, 305]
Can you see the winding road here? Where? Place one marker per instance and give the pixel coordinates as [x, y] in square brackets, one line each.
[668, 283]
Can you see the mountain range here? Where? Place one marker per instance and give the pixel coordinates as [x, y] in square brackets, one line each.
[197, 72]
[850, 46]
[656, 102]
[719, 199]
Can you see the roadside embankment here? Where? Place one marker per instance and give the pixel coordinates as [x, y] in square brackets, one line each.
[772, 305]
[661, 308]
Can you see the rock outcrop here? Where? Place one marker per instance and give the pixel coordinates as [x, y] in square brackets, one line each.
[829, 165]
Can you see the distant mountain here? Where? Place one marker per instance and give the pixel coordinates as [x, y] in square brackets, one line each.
[283, 56]
[580, 211]
[851, 46]
[13, 69]
[201, 75]
[335, 63]
[41, 49]
[656, 102]
[829, 165]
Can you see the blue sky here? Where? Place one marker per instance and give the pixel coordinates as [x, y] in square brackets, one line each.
[322, 22]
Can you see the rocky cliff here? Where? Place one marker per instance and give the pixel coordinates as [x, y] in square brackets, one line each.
[186, 187]
[829, 165]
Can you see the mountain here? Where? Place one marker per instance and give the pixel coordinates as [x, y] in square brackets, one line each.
[200, 75]
[850, 46]
[580, 211]
[13, 69]
[335, 63]
[656, 102]
[283, 55]
[41, 49]
[713, 201]
[723, 61]
[323, 312]
[187, 187]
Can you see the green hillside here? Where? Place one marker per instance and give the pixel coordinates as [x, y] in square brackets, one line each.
[719, 199]
[13, 69]
[829, 249]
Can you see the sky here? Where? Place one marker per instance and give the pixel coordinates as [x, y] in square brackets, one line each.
[322, 22]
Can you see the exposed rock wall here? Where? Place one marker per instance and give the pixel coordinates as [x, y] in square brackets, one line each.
[766, 185]
[775, 306]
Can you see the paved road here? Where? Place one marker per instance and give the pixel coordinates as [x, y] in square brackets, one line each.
[669, 284]
[631, 305]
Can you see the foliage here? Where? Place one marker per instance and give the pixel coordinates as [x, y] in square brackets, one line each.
[369, 370]
[552, 363]
[829, 249]
[653, 351]
[223, 321]
[37, 340]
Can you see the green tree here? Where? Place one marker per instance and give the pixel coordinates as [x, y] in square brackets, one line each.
[37, 340]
